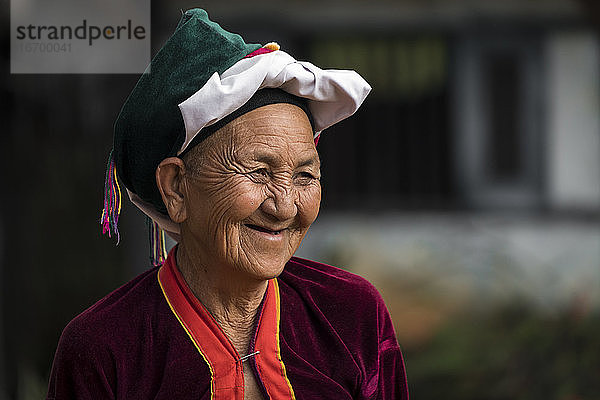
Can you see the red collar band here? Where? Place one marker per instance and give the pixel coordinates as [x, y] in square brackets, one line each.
[224, 362]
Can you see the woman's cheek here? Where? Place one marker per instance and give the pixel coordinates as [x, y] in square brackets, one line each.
[245, 202]
[309, 204]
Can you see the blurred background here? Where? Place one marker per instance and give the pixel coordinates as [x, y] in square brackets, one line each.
[467, 188]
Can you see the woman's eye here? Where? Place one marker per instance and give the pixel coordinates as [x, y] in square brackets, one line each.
[305, 177]
[260, 175]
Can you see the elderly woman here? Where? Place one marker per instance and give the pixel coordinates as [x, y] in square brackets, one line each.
[216, 144]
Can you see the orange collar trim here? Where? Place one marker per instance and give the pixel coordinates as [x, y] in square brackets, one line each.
[224, 362]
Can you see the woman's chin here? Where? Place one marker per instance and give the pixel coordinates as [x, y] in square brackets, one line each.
[265, 268]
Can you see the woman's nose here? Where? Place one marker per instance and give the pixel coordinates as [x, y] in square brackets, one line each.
[281, 203]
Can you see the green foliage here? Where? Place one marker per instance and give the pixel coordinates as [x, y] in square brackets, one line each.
[510, 353]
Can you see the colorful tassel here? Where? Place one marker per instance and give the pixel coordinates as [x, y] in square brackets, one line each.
[158, 250]
[112, 201]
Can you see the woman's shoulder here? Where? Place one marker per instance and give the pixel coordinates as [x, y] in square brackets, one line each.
[122, 339]
[332, 317]
[333, 300]
[329, 283]
[319, 273]
[117, 309]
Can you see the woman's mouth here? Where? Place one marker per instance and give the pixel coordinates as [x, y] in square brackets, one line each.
[262, 229]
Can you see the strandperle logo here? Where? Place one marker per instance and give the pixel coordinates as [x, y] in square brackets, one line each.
[87, 32]
[79, 37]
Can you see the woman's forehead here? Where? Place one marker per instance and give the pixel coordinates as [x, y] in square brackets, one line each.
[272, 126]
[296, 149]
[273, 116]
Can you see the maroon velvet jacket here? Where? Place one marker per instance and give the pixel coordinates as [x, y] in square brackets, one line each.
[335, 335]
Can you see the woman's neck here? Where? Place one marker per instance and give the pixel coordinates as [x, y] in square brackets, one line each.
[233, 301]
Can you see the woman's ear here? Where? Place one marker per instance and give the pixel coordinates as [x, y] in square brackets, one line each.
[169, 178]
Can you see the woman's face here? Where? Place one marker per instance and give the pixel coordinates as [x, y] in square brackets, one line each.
[252, 192]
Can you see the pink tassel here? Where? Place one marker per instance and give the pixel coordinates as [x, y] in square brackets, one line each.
[267, 48]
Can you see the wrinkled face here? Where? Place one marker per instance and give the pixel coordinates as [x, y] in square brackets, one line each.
[253, 190]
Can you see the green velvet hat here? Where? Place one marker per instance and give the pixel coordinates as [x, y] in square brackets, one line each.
[150, 127]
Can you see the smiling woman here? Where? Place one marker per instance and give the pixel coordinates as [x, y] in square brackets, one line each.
[234, 176]
[250, 207]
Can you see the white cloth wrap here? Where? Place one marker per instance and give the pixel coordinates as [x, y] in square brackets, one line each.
[332, 96]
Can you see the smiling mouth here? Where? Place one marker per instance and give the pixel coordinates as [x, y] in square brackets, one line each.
[261, 229]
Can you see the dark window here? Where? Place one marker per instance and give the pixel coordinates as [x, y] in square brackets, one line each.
[395, 152]
[502, 86]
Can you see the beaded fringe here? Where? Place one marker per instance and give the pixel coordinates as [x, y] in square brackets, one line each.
[112, 201]
[158, 250]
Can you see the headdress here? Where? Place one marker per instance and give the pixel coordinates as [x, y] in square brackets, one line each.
[201, 78]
